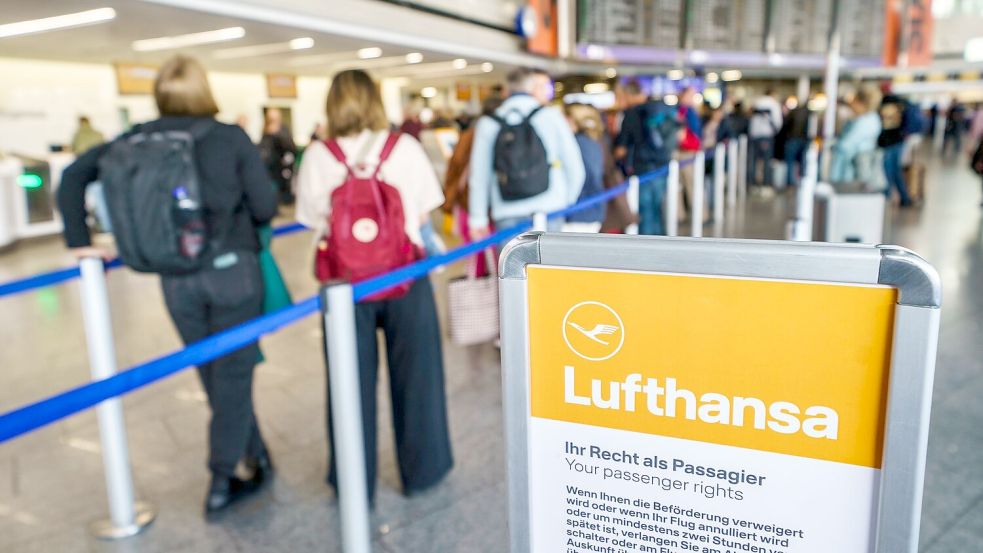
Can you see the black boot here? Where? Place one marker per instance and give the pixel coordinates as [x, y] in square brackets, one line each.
[261, 467]
[225, 491]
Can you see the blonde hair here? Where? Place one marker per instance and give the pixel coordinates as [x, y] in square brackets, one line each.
[354, 104]
[182, 88]
[586, 119]
[869, 97]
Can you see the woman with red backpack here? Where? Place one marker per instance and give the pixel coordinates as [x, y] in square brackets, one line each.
[368, 191]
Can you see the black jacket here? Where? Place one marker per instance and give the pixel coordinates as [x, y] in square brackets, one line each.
[234, 184]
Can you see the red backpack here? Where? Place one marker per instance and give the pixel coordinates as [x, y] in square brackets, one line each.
[366, 232]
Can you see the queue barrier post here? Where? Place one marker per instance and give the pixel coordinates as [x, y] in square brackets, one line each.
[719, 162]
[540, 221]
[801, 225]
[742, 174]
[338, 314]
[699, 194]
[126, 516]
[672, 200]
[632, 197]
[732, 169]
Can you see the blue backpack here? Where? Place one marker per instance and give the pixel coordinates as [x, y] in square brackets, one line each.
[912, 121]
[661, 125]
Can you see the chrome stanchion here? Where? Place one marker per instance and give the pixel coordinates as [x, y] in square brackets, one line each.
[742, 175]
[126, 516]
[672, 200]
[632, 197]
[338, 309]
[801, 225]
[732, 170]
[719, 162]
[696, 202]
[540, 221]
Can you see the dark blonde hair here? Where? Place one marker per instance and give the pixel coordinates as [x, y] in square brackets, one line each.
[182, 88]
[586, 119]
[354, 104]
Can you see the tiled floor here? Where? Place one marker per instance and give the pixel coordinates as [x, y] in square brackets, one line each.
[51, 483]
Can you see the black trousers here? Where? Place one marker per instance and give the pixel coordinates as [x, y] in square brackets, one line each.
[202, 304]
[416, 378]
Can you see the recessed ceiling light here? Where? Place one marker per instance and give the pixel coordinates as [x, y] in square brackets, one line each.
[712, 78]
[369, 53]
[68, 20]
[487, 67]
[676, 74]
[191, 39]
[263, 49]
[731, 75]
[611, 72]
[414, 57]
[302, 43]
[428, 92]
[459, 63]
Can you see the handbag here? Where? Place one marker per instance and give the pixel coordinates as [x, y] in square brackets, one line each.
[472, 305]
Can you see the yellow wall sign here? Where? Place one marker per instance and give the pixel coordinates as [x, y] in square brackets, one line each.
[785, 367]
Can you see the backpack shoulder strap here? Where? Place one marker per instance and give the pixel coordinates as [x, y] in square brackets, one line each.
[335, 149]
[533, 113]
[201, 128]
[388, 147]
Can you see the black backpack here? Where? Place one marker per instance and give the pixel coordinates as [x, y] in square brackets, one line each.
[153, 192]
[521, 164]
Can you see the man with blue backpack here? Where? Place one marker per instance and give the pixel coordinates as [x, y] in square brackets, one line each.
[525, 158]
[649, 136]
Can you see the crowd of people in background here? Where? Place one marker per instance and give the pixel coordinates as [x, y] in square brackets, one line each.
[369, 191]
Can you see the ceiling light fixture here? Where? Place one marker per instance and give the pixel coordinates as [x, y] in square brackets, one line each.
[676, 75]
[302, 43]
[611, 72]
[428, 92]
[596, 88]
[191, 39]
[369, 53]
[731, 75]
[487, 67]
[78, 19]
[414, 57]
[459, 63]
[712, 78]
[263, 49]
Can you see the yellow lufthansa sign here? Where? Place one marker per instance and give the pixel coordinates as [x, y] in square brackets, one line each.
[795, 368]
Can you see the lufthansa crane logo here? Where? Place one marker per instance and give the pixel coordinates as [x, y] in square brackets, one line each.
[593, 331]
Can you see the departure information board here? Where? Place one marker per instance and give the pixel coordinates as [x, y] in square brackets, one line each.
[791, 27]
[727, 24]
[802, 26]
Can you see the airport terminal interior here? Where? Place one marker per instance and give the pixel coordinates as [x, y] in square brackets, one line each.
[773, 126]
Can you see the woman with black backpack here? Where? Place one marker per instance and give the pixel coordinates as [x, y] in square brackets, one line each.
[367, 192]
[202, 208]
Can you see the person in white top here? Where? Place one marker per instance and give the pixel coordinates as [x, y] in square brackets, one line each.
[766, 121]
[357, 122]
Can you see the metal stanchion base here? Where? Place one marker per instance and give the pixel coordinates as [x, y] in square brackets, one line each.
[143, 517]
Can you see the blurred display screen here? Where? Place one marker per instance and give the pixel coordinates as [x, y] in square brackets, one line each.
[656, 23]
[802, 26]
[727, 24]
[661, 85]
[796, 26]
[862, 28]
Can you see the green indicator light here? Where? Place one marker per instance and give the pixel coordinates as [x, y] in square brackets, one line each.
[29, 181]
